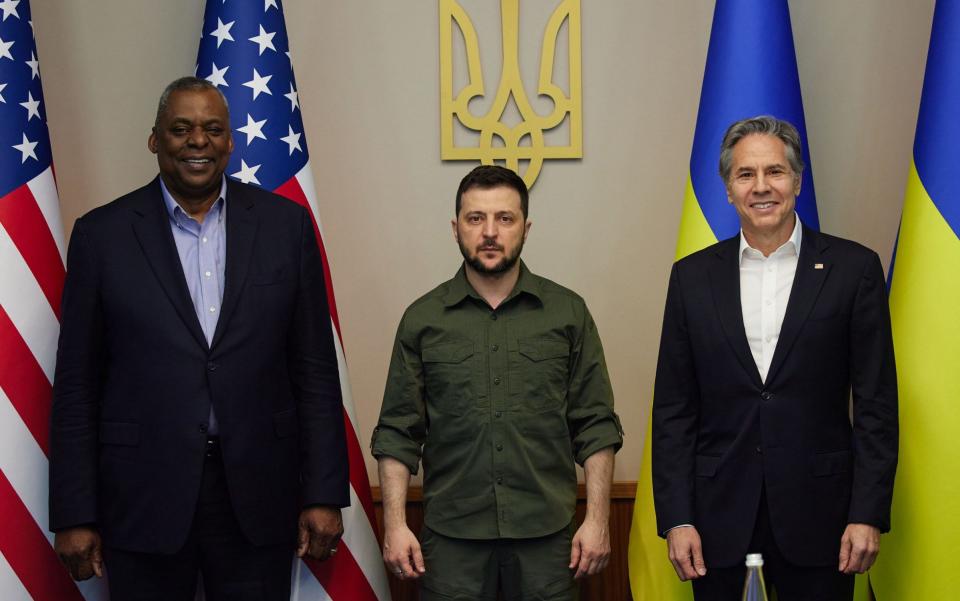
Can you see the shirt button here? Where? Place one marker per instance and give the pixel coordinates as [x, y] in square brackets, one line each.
[497, 414]
[204, 239]
[496, 381]
[493, 316]
[207, 273]
[769, 302]
[213, 309]
[495, 348]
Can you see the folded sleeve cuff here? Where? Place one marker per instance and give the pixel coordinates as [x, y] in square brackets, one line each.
[599, 435]
[386, 443]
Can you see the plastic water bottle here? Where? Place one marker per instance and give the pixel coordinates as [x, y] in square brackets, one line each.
[754, 589]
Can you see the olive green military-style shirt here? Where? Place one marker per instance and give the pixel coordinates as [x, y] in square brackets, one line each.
[498, 404]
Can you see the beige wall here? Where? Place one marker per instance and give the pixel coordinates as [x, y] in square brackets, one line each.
[604, 226]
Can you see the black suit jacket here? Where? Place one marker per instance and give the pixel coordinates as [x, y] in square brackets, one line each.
[135, 376]
[721, 435]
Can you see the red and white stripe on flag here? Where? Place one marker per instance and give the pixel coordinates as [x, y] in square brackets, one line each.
[31, 282]
[31, 279]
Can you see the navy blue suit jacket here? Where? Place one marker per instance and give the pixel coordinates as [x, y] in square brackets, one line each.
[721, 434]
[135, 376]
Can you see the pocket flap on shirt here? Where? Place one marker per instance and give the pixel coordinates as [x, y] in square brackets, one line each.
[836, 462]
[453, 352]
[707, 465]
[285, 423]
[541, 350]
[120, 433]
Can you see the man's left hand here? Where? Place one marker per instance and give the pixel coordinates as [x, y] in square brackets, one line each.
[319, 532]
[590, 551]
[859, 547]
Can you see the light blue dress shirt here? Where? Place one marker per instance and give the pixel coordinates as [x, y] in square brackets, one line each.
[203, 254]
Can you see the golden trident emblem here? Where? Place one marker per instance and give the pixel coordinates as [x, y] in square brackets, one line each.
[524, 141]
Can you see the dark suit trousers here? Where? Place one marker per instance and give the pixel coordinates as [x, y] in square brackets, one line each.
[791, 582]
[232, 569]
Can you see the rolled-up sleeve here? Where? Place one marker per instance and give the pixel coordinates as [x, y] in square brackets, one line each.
[401, 429]
[592, 421]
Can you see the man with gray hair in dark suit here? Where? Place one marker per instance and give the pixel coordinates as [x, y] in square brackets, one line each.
[765, 336]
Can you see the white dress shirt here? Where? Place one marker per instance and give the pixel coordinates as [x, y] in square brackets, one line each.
[765, 284]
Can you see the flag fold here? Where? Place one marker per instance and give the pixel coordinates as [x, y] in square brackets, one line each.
[924, 288]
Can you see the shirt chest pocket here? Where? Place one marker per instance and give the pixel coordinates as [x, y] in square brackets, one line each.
[449, 374]
[539, 371]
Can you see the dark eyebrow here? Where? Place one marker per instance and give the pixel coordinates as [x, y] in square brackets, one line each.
[185, 121]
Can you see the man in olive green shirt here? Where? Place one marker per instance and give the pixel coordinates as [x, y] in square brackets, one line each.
[498, 384]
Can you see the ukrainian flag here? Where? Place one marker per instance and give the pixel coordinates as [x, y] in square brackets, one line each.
[751, 70]
[916, 557]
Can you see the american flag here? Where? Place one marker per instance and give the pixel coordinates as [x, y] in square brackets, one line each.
[31, 281]
[245, 52]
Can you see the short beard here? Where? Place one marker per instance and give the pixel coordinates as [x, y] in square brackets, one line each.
[505, 264]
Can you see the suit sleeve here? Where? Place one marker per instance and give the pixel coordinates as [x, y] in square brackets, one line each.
[874, 384]
[74, 440]
[324, 468]
[676, 402]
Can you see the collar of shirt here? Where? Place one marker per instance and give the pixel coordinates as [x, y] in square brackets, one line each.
[792, 244]
[460, 287]
[176, 212]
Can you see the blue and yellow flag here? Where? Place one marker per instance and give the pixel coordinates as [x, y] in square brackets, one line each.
[751, 70]
[916, 556]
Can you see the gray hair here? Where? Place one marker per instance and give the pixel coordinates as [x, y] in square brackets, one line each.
[186, 83]
[764, 125]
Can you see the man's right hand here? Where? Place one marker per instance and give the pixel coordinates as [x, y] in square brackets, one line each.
[686, 553]
[80, 551]
[401, 553]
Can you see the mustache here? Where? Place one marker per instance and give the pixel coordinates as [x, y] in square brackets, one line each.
[489, 245]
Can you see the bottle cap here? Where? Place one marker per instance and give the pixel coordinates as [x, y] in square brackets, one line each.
[755, 560]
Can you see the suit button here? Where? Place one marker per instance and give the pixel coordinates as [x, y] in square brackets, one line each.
[499, 480]
[497, 414]
[496, 381]
[211, 366]
[203, 428]
[499, 447]
[493, 316]
[766, 395]
[759, 451]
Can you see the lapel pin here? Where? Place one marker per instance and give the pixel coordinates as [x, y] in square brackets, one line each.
[818, 265]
